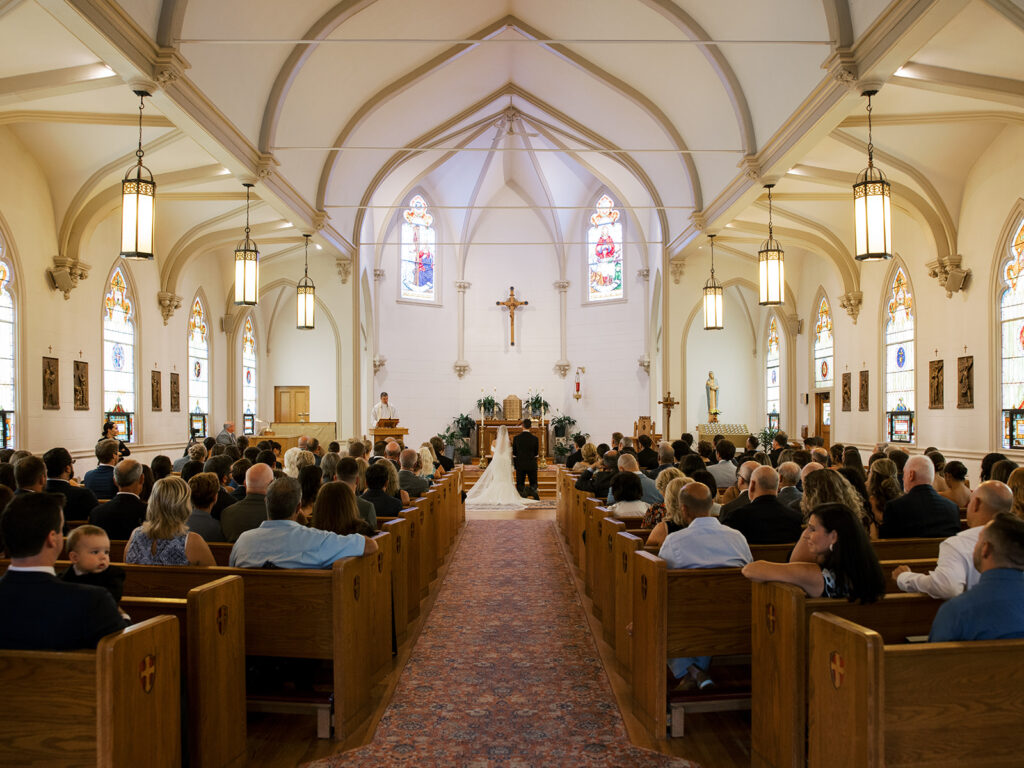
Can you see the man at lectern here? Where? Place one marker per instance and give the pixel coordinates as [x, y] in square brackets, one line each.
[382, 410]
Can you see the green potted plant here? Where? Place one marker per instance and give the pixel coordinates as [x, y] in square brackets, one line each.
[766, 436]
[464, 424]
[561, 424]
[536, 404]
[488, 406]
[561, 450]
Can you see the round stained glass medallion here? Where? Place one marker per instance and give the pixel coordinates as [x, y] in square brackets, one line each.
[775, 376]
[197, 369]
[901, 357]
[117, 357]
[824, 369]
[248, 377]
[1021, 337]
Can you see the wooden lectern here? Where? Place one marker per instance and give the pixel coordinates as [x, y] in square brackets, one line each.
[388, 428]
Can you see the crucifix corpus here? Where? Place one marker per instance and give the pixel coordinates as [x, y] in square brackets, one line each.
[668, 403]
[512, 304]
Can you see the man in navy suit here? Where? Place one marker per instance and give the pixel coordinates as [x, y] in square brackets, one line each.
[126, 511]
[101, 480]
[60, 468]
[525, 449]
[37, 610]
[920, 512]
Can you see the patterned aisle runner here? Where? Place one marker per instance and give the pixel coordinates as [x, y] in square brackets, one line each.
[505, 672]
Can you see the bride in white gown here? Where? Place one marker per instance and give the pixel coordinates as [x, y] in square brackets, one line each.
[496, 488]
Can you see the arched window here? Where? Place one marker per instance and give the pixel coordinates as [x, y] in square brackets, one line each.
[899, 360]
[8, 391]
[198, 369]
[119, 357]
[604, 252]
[1011, 321]
[773, 375]
[248, 378]
[417, 263]
[823, 345]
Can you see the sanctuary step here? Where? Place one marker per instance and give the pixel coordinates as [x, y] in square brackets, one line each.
[546, 480]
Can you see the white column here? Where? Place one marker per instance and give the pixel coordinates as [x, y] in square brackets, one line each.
[644, 361]
[562, 366]
[461, 366]
[378, 361]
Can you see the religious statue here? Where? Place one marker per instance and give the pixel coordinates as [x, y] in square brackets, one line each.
[81, 385]
[711, 390]
[965, 382]
[936, 390]
[51, 394]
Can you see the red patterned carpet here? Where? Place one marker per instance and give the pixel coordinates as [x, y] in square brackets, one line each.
[505, 672]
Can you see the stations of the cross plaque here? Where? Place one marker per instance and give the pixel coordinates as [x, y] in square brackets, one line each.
[512, 304]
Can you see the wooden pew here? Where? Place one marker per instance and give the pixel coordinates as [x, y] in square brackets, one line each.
[626, 543]
[780, 615]
[118, 705]
[399, 530]
[922, 705]
[312, 614]
[212, 621]
[221, 551]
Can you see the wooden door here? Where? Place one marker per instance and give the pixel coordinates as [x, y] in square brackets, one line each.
[291, 404]
[823, 416]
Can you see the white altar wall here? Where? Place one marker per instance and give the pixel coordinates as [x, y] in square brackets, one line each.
[420, 343]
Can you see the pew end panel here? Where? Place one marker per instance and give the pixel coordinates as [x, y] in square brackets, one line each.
[625, 545]
[399, 530]
[605, 576]
[650, 631]
[414, 552]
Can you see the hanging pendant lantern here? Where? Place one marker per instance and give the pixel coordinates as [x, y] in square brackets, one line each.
[305, 298]
[770, 264]
[138, 191]
[872, 209]
[712, 296]
[247, 264]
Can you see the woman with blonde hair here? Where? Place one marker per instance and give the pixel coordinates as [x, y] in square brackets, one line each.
[1016, 483]
[673, 520]
[882, 487]
[589, 460]
[656, 513]
[392, 488]
[426, 462]
[825, 486]
[164, 538]
[436, 470]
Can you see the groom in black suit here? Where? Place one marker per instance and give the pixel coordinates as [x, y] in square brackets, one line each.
[525, 448]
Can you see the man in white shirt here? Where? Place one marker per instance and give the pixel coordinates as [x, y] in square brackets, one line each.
[703, 543]
[382, 410]
[955, 572]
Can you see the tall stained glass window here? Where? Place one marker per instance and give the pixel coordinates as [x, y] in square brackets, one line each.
[823, 345]
[418, 238]
[198, 367]
[248, 378]
[604, 252]
[899, 346]
[773, 375]
[1011, 321]
[119, 356]
[7, 378]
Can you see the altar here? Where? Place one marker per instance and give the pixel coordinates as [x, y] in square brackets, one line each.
[736, 434]
[487, 433]
[287, 433]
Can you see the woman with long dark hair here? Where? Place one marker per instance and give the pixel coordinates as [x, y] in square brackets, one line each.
[844, 563]
[335, 510]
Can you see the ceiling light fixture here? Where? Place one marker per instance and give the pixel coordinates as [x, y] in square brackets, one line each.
[138, 191]
[712, 296]
[872, 209]
[247, 263]
[770, 264]
[305, 298]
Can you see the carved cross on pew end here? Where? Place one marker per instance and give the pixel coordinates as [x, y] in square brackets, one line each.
[512, 304]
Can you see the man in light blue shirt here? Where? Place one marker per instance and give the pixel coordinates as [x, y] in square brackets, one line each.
[703, 543]
[283, 542]
[628, 463]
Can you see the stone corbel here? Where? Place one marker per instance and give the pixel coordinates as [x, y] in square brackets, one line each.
[645, 363]
[65, 274]
[266, 164]
[851, 303]
[461, 368]
[700, 220]
[949, 274]
[169, 302]
[644, 274]
[378, 364]
[676, 268]
[561, 285]
[319, 220]
[842, 67]
[462, 286]
[169, 67]
[563, 366]
[750, 167]
[378, 275]
[344, 265]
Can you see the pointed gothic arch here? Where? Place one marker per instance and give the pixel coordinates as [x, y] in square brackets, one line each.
[120, 332]
[898, 348]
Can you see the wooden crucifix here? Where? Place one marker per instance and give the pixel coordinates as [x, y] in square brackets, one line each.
[512, 304]
[668, 403]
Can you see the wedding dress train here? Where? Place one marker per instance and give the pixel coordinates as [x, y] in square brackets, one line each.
[496, 488]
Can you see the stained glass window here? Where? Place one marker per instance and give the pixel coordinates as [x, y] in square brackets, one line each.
[773, 373]
[1011, 321]
[604, 252]
[899, 346]
[198, 364]
[823, 345]
[418, 238]
[248, 378]
[119, 354]
[7, 378]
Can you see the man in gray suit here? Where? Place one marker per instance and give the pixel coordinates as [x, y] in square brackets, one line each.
[408, 480]
[789, 476]
[251, 511]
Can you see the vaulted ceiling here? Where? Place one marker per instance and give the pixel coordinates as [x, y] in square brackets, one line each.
[683, 109]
